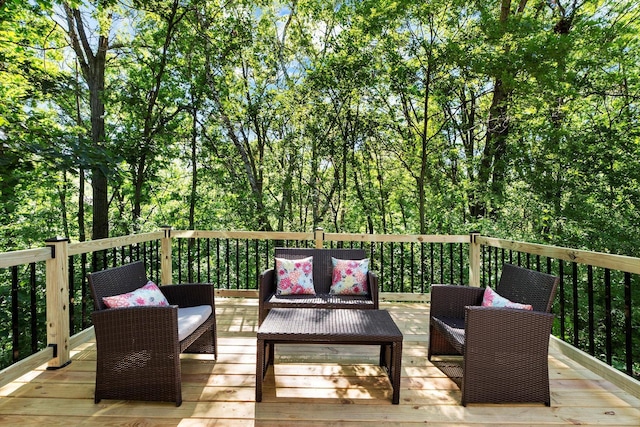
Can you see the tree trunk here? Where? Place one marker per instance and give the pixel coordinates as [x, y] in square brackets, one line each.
[93, 71]
[491, 174]
[562, 28]
[82, 236]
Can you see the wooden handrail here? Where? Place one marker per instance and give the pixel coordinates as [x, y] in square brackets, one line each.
[253, 235]
[112, 242]
[596, 259]
[396, 238]
[27, 256]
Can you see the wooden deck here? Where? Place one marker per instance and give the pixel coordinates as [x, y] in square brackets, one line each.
[318, 385]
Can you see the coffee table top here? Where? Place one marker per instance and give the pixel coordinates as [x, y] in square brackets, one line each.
[313, 324]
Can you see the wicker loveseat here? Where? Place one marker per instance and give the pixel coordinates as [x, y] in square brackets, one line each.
[322, 276]
[138, 348]
[505, 350]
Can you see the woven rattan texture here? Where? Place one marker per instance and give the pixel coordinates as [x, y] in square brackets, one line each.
[138, 352]
[331, 324]
[504, 350]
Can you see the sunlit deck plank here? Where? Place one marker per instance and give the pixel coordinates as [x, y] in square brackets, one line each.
[312, 385]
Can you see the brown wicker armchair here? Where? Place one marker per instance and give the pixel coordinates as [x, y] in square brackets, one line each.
[138, 348]
[505, 350]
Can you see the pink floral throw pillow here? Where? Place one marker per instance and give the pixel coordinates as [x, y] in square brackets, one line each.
[349, 277]
[148, 295]
[294, 276]
[492, 299]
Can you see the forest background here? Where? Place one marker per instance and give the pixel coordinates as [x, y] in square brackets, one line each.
[517, 119]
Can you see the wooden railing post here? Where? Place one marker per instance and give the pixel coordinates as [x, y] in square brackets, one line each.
[57, 278]
[166, 273]
[474, 259]
[319, 235]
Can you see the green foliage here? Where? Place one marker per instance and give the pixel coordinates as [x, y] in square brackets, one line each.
[356, 116]
[314, 113]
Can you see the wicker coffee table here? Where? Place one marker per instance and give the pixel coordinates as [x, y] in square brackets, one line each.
[330, 326]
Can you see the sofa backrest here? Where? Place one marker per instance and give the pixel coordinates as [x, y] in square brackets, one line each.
[322, 266]
[528, 287]
[116, 281]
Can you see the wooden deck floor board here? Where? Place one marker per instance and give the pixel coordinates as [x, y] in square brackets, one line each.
[309, 386]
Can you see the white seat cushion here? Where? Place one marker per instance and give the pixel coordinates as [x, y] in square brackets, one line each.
[189, 318]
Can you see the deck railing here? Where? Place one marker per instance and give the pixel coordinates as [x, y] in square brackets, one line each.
[594, 308]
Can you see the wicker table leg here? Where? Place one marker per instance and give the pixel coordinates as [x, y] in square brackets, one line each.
[390, 360]
[261, 368]
[394, 373]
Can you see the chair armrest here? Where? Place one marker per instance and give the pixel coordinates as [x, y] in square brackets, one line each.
[137, 329]
[501, 329]
[190, 294]
[266, 284]
[373, 288]
[451, 300]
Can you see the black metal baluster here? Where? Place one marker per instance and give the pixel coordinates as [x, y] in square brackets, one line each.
[576, 318]
[490, 268]
[413, 263]
[422, 267]
[627, 324]
[401, 266]
[157, 261]
[144, 258]
[179, 260]
[562, 308]
[590, 308]
[189, 266]
[391, 269]
[382, 272]
[85, 291]
[442, 263]
[34, 307]
[246, 264]
[209, 260]
[482, 266]
[198, 258]
[432, 262]
[15, 321]
[227, 263]
[72, 297]
[237, 264]
[257, 251]
[460, 254]
[607, 316]
[218, 282]
[371, 256]
[451, 263]
[497, 268]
